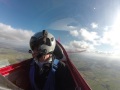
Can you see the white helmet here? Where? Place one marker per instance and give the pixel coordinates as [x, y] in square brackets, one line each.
[43, 41]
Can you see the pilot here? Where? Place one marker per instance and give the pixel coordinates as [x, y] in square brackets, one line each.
[47, 72]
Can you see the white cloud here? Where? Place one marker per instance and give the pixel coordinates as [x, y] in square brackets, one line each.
[94, 25]
[71, 27]
[12, 36]
[106, 28]
[89, 36]
[74, 33]
[63, 24]
[111, 37]
[78, 46]
[67, 47]
[93, 37]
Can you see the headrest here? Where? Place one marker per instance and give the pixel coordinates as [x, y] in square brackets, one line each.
[58, 52]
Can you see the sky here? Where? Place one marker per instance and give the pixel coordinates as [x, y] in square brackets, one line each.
[93, 25]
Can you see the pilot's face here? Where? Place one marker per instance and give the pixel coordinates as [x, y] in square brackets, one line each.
[42, 58]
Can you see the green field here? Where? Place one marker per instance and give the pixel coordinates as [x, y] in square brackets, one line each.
[101, 73]
[13, 56]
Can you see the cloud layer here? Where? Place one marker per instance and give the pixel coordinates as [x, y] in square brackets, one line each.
[79, 46]
[14, 37]
[87, 37]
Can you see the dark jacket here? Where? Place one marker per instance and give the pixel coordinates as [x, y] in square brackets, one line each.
[63, 78]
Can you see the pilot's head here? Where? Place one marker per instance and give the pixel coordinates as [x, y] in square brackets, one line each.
[42, 44]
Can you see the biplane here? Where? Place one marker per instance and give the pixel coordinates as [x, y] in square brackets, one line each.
[16, 76]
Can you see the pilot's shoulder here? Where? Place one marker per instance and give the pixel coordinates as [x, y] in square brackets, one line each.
[61, 65]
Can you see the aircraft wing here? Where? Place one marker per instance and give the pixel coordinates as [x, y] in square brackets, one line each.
[68, 51]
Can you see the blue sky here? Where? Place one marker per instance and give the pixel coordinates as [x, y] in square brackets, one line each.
[81, 24]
